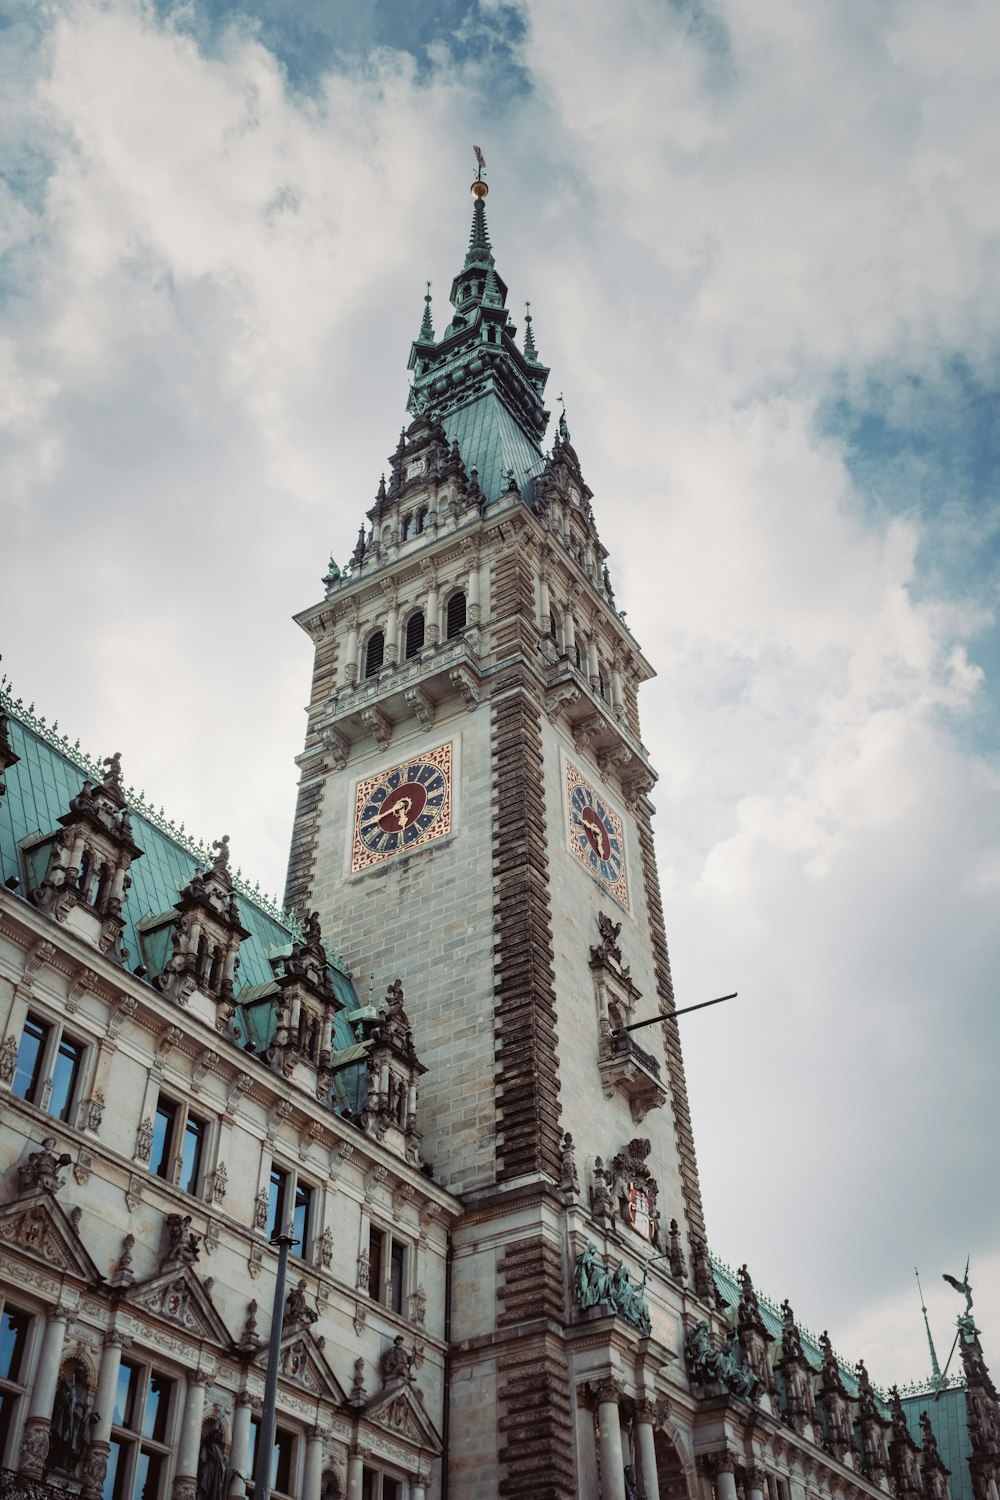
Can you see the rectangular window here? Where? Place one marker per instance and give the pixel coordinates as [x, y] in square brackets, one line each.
[65, 1078]
[192, 1150]
[164, 1130]
[376, 1486]
[302, 1218]
[14, 1329]
[397, 1266]
[282, 1459]
[140, 1433]
[277, 1202]
[30, 1054]
[376, 1240]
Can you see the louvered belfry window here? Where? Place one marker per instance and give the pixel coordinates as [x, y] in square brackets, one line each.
[374, 653]
[455, 622]
[414, 635]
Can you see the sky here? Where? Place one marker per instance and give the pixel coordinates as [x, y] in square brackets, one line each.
[761, 242]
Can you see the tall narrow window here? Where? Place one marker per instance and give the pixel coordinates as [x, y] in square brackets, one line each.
[137, 1462]
[414, 634]
[65, 1077]
[455, 616]
[14, 1326]
[554, 627]
[30, 1053]
[192, 1151]
[282, 1459]
[164, 1131]
[374, 653]
[277, 1202]
[302, 1218]
[397, 1266]
[376, 1240]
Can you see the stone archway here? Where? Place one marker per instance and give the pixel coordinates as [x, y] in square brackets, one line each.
[671, 1471]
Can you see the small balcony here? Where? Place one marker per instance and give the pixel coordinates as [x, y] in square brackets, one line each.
[628, 1069]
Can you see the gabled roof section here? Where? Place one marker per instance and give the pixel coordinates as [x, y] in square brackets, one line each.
[178, 1297]
[302, 1364]
[39, 1226]
[486, 392]
[400, 1412]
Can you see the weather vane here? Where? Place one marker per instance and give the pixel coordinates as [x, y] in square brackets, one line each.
[480, 161]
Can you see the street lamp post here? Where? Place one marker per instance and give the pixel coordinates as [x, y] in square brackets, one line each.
[265, 1436]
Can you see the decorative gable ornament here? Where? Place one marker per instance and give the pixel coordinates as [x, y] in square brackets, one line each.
[179, 1298]
[628, 1178]
[399, 1411]
[38, 1226]
[302, 1364]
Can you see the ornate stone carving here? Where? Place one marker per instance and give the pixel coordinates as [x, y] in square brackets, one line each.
[596, 1285]
[183, 1247]
[397, 1362]
[42, 1169]
[8, 1059]
[220, 1182]
[144, 1140]
[569, 1177]
[260, 1210]
[709, 1365]
[326, 1247]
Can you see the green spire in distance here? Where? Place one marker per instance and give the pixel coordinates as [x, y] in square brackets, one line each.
[426, 335]
[530, 352]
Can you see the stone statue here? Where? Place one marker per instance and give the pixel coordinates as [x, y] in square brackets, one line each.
[213, 1471]
[183, 1246]
[708, 1365]
[396, 1362]
[631, 1490]
[590, 1279]
[297, 1308]
[72, 1416]
[627, 1299]
[42, 1168]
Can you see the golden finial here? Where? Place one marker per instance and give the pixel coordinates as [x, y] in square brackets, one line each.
[479, 188]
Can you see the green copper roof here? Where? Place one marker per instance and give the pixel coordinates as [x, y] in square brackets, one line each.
[487, 393]
[39, 786]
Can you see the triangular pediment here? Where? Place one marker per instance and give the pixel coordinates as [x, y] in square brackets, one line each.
[179, 1299]
[399, 1411]
[302, 1364]
[39, 1226]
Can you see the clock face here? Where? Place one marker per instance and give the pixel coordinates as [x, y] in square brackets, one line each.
[402, 808]
[595, 834]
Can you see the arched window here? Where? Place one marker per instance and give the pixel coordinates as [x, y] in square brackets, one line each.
[215, 973]
[201, 960]
[85, 875]
[374, 652]
[103, 887]
[409, 526]
[421, 519]
[554, 627]
[579, 658]
[601, 685]
[415, 634]
[455, 616]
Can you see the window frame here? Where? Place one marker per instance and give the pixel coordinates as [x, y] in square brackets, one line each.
[15, 1387]
[370, 668]
[454, 632]
[173, 1154]
[295, 1182]
[40, 1091]
[129, 1439]
[393, 1249]
[412, 650]
[295, 1459]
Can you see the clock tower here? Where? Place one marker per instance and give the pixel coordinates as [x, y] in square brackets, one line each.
[474, 819]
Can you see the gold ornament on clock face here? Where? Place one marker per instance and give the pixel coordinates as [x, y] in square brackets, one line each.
[403, 808]
[595, 834]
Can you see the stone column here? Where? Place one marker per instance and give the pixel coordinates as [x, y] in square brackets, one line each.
[186, 1476]
[725, 1477]
[95, 1465]
[35, 1442]
[473, 595]
[612, 1457]
[645, 1416]
[593, 667]
[432, 625]
[544, 605]
[312, 1483]
[391, 653]
[239, 1452]
[354, 1475]
[351, 653]
[569, 629]
[418, 1489]
[756, 1483]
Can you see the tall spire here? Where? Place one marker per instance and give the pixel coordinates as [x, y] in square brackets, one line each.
[935, 1367]
[480, 248]
[530, 352]
[426, 335]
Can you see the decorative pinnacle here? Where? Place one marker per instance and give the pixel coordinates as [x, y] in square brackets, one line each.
[530, 352]
[427, 327]
[479, 237]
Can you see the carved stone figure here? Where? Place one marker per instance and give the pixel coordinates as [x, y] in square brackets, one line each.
[600, 1198]
[213, 1472]
[42, 1168]
[708, 1365]
[396, 1362]
[590, 1279]
[183, 1246]
[675, 1253]
[569, 1179]
[8, 1059]
[297, 1307]
[144, 1140]
[72, 1415]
